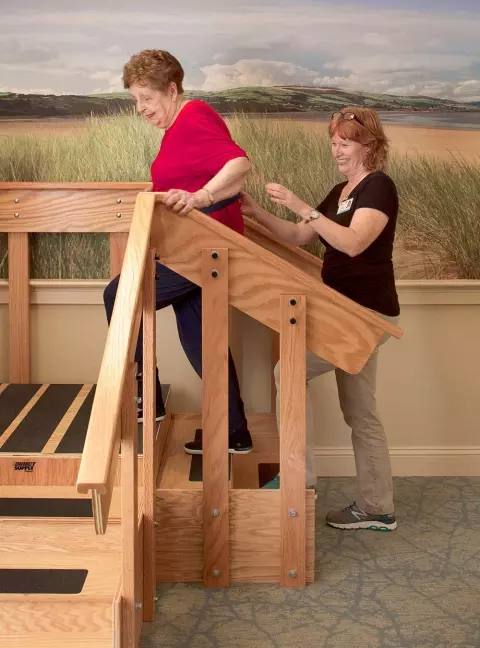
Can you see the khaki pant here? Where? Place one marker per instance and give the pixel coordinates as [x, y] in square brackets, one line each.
[357, 400]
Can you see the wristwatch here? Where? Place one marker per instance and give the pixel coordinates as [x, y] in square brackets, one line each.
[313, 215]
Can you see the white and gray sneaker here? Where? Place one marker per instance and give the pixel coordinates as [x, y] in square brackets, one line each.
[352, 517]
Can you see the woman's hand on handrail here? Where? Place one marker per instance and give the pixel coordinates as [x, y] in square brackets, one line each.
[182, 202]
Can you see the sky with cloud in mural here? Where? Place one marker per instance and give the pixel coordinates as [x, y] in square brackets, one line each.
[429, 47]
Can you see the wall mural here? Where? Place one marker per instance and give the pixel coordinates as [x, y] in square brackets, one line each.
[275, 71]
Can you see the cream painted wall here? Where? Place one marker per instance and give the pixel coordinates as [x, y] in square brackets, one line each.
[428, 382]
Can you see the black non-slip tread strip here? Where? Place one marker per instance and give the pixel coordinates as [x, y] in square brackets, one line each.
[44, 507]
[42, 581]
[74, 437]
[12, 401]
[37, 427]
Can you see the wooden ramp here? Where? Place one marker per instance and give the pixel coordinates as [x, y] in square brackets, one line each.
[254, 521]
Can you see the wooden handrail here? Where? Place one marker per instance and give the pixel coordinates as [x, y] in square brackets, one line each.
[97, 459]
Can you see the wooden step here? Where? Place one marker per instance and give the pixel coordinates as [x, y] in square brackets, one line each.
[89, 618]
[43, 429]
[19, 501]
[179, 470]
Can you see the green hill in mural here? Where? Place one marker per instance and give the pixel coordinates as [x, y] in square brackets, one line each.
[277, 99]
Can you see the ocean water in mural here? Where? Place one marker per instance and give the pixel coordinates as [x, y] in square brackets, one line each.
[275, 73]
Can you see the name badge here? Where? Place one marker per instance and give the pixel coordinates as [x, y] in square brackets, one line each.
[344, 206]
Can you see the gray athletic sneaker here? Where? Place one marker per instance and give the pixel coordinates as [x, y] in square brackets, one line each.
[352, 517]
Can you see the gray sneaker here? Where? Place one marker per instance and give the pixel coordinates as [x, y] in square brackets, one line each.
[352, 517]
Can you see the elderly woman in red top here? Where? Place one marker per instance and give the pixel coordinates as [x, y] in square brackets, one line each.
[199, 166]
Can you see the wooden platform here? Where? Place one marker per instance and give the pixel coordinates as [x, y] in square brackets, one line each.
[43, 429]
[87, 618]
[254, 512]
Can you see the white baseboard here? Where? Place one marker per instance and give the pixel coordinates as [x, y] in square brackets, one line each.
[434, 461]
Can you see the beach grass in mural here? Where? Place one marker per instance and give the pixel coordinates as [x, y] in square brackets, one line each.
[438, 229]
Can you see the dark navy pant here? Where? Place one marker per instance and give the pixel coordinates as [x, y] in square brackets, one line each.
[186, 298]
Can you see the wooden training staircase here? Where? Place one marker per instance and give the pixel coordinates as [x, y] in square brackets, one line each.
[95, 510]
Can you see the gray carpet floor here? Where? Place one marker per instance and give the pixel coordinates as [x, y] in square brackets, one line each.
[416, 587]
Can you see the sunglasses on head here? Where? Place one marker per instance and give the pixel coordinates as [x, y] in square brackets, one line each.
[348, 116]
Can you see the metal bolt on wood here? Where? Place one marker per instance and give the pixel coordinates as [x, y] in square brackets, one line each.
[16, 215]
[119, 214]
[216, 512]
[214, 274]
[293, 320]
[292, 513]
[293, 302]
[138, 606]
[16, 201]
[214, 255]
[216, 573]
[292, 573]
[119, 200]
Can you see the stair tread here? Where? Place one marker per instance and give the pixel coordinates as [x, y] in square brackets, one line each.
[174, 472]
[64, 545]
[59, 493]
[49, 420]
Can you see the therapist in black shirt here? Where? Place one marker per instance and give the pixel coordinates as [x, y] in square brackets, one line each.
[356, 222]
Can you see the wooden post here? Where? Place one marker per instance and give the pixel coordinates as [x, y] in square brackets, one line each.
[118, 244]
[19, 306]
[131, 597]
[149, 435]
[292, 441]
[215, 417]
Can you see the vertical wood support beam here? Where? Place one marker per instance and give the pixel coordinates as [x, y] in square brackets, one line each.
[131, 597]
[118, 244]
[275, 359]
[149, 436]
[19, 306]
[292, 441]
[215, 417]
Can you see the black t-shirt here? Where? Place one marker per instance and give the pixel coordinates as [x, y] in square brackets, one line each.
[367, 278]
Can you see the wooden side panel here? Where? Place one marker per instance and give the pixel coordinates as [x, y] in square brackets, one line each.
[130, 542]
[179, 538]
[292, 441]
[56, 623]
[66, 210]
[39, 471]
[215, 416]
[149, 434]
[118, 244]
[19, 305]
[254, 536]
